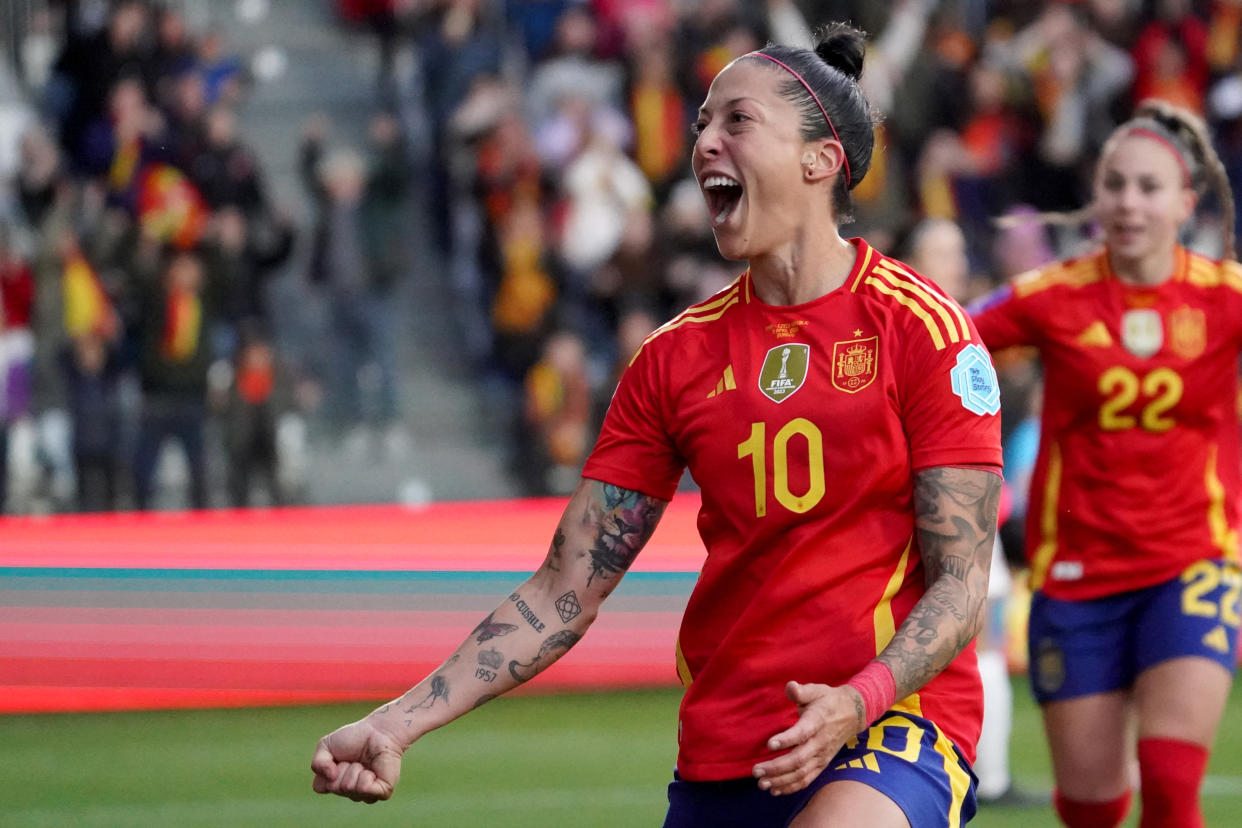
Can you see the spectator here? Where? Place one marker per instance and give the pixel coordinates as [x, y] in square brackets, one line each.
[92, 373]
[250, 424]
[176, 316]
[358, 259]
[16, 348]
[558, 415]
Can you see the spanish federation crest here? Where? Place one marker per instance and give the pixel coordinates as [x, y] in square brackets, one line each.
[784, 371]
[1142, 331]
[974, 380]
[854, 363]
[1188, 332]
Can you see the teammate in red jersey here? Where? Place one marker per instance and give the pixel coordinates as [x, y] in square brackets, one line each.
[1132, 530]
[840, 416]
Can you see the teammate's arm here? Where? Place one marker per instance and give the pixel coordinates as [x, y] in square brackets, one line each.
[955, 518]
[599, 535]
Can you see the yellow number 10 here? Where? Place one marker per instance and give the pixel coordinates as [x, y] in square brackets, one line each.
[755, 447]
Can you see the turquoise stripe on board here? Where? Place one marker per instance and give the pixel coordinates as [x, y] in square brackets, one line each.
[315, 581]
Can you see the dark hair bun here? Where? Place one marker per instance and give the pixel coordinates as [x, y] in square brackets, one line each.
[842, 47]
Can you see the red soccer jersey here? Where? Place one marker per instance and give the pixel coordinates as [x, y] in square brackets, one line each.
[803, 425]
[1138, 465]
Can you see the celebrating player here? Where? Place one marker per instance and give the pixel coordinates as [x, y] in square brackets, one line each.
[1132, 523]
[840, 417]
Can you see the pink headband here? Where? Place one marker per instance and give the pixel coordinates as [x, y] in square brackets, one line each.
[1172, 147]
[845, 161]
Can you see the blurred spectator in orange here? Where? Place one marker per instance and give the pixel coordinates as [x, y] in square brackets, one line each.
[659, 113]
[558, 413]
[526, 294]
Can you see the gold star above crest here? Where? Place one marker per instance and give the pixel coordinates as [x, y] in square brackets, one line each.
[857, 332]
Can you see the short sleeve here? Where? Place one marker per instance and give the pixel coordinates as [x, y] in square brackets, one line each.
[635, 450]
[1000, 320]
[951, 404]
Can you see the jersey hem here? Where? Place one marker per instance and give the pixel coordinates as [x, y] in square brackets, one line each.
[1093, 592]
[965, 456]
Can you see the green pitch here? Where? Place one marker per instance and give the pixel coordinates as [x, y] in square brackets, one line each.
[583, 760]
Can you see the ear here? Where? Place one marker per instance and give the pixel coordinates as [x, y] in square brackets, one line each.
[823, 159]
[1189, 201]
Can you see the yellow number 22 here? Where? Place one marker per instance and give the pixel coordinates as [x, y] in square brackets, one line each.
[1161, 389]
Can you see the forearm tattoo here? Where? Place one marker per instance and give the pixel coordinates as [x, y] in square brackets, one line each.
[439, 691]
[489, 629]
[562, 640]
[555, 551]
[625, 520]
[527, 612]
[955, 520]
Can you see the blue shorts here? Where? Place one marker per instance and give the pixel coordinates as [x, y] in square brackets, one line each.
[903, 756]
[1078, 648]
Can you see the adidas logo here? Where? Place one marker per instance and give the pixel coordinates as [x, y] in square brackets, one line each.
[1095, 335]
[867, 761]
[1217, 639]
[725, 383]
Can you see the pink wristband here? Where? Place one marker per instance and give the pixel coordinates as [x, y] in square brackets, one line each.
[877, 687]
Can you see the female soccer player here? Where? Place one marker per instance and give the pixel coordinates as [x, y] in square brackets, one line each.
[1132, 523]
[839, 415]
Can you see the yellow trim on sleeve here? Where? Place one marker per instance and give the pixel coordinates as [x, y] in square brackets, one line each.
[914, 307]
[882, 617]
[707, 312]
[1224, 536]
[1074, 274]
[954, 317]
[1047, 548]
[683, 669]
[886, 624]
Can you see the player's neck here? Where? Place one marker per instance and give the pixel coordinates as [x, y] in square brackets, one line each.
[802, 270]
[1145, 271]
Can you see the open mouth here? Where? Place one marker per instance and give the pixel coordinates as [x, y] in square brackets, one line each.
[723, 195]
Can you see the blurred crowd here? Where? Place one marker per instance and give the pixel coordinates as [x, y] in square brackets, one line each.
[135, 239]
[548, 142]
[573, 225]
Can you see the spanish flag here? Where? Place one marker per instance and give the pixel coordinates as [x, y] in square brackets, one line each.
[183, 320]
[87, 307]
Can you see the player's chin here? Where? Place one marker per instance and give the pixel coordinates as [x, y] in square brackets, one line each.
[731, 248]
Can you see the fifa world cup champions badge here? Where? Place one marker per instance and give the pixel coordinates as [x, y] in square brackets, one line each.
[784, 371]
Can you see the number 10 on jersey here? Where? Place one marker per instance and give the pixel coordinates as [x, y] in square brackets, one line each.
[756, 448]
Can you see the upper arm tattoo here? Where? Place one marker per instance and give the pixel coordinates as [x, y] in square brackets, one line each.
[624, 520]
[955, 520]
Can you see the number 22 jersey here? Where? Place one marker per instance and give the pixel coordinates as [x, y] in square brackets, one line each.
[1138, 467]
[803, 425]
